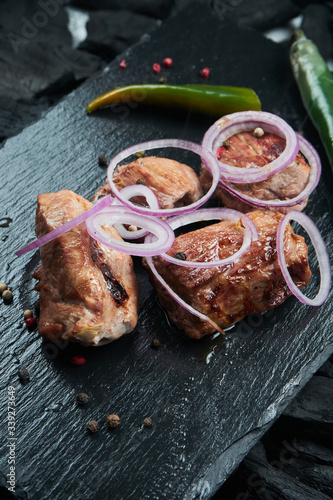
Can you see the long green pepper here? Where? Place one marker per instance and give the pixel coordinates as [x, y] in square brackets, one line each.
[216, 100]
[315, 83]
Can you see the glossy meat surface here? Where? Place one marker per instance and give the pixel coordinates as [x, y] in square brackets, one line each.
[174, 184]
[226, 294]
[88, 292]
[246, 150]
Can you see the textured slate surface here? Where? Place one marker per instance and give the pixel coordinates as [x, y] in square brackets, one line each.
[210, 400]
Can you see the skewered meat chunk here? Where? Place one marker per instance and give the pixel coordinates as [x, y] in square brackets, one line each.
[173, 183]
[88, 292]
[246, 150]
[252, 284]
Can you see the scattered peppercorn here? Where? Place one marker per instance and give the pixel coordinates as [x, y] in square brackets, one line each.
[147, 422]
[155, 343]
[180, 256]
[226, 143]
[167, 62]
[112, 421]
[3, 287]
[122, 64]
[92, 426]
[7, 295]
[220, 152]
[82, 398]
[162, 79]
[78, 360]
[205, 72]
[31, 322]
[156, 67]
[132, 228]
[23, 374]
[102, 160]
[27, 314]
[258, 132]
[141, 181]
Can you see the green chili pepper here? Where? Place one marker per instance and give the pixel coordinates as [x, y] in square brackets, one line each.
[315, 83]
[216, 100]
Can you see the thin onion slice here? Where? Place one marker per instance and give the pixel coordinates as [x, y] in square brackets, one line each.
[178, 299]
[122, 215]
[129, 192]
[100, 205]
[234, 123]
[314, 161]
[202, 214]
[207, 158]
[321, 252]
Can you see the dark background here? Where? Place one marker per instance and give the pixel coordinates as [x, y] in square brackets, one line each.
[41, 61]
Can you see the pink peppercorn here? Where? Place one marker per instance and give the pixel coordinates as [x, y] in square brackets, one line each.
[205, 73]
[31, 322]
[156, 68]
[78, 360]
[122, 64]
[167, 62]
[220, 151]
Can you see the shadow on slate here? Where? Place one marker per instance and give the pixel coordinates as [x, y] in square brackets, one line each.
[206, 415]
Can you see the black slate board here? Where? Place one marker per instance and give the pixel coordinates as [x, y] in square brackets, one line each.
[209, 401]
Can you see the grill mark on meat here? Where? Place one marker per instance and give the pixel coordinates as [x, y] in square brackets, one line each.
[115, 287]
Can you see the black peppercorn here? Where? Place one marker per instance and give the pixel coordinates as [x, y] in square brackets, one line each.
[147, 422]
[23, 374]
[82, 398]
[180, 256]
[112, 421]
[155, 343]
[141, 181]
[102, 160]
[92, 426]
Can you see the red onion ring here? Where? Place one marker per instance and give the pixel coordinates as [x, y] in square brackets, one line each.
[104, 202]
[230, 125]
[250, 234]
[122, 215]
[176, 297]
[129, 192]
[314, 161]
[206, 156]
[321, 252]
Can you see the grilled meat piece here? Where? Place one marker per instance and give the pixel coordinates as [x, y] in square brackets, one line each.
[228, 293]
[173, 183]
[88, 292]
[246, 150]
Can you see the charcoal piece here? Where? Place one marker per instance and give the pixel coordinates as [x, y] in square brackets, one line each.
[262, 14]
[313, 452]
[34, 20]
[317, 476]
[270, 480]
[14, 115]
[327, 369]
[111, 32]
[312, 404]
[159, 9]
[316, 26]
[42, 68]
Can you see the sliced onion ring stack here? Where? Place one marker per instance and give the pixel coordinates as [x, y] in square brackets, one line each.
[207, 158]
[129, 192]
[321, 252]
[250, 233]
[234, 123]
[314, 161]
[116, 214]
